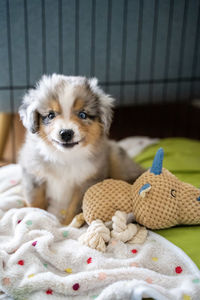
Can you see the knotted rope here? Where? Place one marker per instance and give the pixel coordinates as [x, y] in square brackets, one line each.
[124, 232]
[96, 236]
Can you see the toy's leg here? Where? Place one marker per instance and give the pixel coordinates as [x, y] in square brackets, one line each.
[96, 236]
[77, 221]
[121, 230]
[140, 236]
[124, 232]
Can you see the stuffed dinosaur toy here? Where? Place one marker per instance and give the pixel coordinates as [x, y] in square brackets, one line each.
[157, 199]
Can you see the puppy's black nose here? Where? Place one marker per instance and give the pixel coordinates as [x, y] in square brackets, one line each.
[66, 134]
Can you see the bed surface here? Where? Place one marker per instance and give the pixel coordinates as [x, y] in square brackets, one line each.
[40, 259]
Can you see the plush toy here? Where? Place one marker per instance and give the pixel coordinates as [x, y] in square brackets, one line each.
[157, 199]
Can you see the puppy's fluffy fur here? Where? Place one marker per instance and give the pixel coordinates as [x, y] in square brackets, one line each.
[57, 167]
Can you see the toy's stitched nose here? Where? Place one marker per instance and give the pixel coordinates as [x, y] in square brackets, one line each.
[66, 134]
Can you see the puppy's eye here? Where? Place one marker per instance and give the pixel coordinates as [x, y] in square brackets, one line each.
[82, 115]
[51, 115]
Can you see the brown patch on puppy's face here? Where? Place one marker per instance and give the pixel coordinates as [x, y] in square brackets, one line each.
[94, 133]
[87, 121]
[55, 106]
[47, 120]
[90, 130]
[78, 105]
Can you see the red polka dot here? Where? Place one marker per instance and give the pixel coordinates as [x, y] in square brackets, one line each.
[34, 243]
[6, 281]
[12, 181]
[49, 292]
[134, 251]
[19, 221]
[76, 286]
[21, 262]
[178, 270]
[102, 276]
[149, 280]
[89, 260]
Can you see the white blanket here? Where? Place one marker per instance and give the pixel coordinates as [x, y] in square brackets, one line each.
[40, 259]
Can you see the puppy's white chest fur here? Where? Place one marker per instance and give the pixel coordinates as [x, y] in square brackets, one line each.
[61, 185]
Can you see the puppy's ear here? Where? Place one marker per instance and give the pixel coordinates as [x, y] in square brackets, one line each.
[28, 113]
[106, 103]
[106, 111]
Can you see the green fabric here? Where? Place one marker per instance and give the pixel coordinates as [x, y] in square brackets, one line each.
[182, 158]
[185, 237]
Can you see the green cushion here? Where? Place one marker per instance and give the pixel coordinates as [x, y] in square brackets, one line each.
[185, 237]
[182, 158]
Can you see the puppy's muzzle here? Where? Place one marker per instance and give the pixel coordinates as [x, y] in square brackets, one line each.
[66, 135]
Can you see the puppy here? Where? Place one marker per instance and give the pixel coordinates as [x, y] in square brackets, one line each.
[66, 148]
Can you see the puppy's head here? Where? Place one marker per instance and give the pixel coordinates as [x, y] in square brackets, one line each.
[67, 112]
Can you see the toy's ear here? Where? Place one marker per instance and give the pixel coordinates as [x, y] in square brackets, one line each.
[144, 189]
[157, 162]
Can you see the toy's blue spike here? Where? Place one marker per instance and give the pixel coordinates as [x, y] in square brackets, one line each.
[157, 162]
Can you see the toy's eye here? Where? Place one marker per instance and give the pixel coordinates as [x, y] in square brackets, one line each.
[82, 115]
[173, 193]
[51, 115]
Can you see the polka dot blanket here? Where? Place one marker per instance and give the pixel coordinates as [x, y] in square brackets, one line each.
[41, 259]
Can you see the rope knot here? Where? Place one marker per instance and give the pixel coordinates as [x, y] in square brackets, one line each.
[96, 236]
[124, 232]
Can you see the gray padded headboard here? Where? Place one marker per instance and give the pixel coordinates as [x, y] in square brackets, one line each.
[140, 50]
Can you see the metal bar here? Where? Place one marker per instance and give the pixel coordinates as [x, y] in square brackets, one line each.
[60, 36]
[182, 48]
[15, 87]
[176, 119]
[153, 49]
[44, 62]
[26, 29]
[139, 48]
[93, 31]
[168, 48]
[108, 42]
[151, 81]
[10, 67]
[77, 37]
[194, 66]
[114, 83]
[196, 53]
[124, 49]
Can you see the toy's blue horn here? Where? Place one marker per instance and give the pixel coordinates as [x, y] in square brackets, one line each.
[157, 162]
